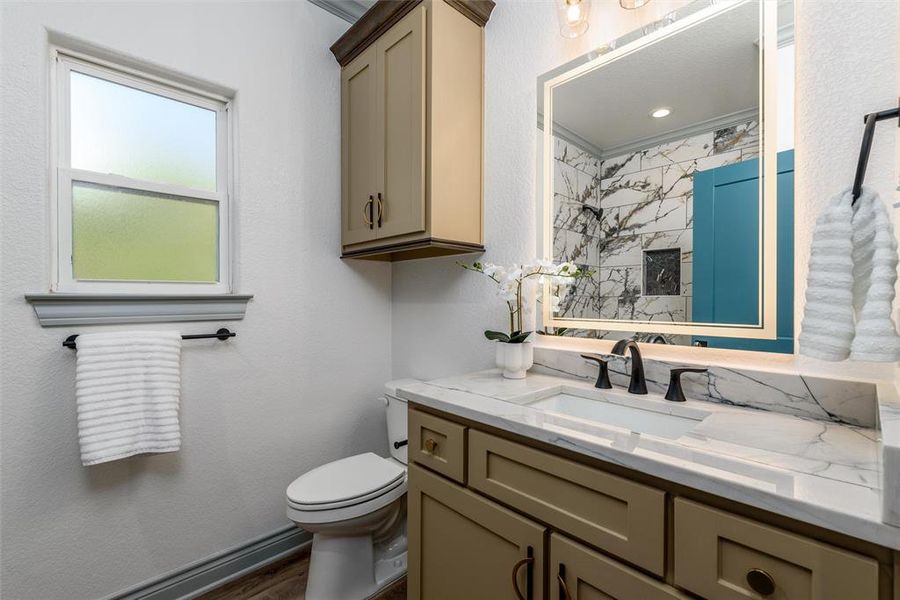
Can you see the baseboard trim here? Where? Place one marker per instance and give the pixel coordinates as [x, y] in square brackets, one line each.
[209, 573]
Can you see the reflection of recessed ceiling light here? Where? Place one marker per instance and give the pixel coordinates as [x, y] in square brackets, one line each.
[659, 113]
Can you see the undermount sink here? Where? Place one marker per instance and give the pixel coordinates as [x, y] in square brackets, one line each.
[599, 411]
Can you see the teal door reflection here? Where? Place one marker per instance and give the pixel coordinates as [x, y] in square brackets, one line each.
[726, 252]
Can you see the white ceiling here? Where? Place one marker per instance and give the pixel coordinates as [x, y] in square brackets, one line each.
[703, 73]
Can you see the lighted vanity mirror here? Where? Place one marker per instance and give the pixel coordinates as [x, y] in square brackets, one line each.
[667, 170]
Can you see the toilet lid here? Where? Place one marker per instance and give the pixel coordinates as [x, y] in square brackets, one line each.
[345, 481]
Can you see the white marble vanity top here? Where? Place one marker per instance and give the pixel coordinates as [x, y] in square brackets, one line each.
[820, 472]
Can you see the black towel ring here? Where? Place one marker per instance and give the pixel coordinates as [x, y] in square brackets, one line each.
[868, 134]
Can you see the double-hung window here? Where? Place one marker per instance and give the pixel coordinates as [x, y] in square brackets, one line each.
[142, 182]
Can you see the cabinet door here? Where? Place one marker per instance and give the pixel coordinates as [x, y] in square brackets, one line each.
[464, 546]
[400, 161]
[359, 147]
[579, 573]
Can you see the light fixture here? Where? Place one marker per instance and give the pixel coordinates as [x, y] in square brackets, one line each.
[632, 4]
[573, 17]
[659, 113]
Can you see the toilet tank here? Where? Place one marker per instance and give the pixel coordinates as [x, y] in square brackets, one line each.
[396, 418]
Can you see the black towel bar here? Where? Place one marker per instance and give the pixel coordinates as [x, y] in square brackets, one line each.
[222, 334]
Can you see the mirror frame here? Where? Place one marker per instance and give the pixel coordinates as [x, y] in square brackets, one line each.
[766, 326]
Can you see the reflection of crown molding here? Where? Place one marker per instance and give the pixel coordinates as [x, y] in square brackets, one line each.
[562, 133]
[736, 118]
[786, 35]
[348, 10]
[713, 124]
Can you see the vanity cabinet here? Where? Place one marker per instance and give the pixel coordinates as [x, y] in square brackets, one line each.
[518, 507]
[412, 129]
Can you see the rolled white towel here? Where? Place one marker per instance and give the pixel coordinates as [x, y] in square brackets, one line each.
[127, 390]
[875, 277]
[850, 286]
[828, 325]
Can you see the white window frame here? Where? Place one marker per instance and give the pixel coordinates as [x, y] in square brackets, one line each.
[63, 176]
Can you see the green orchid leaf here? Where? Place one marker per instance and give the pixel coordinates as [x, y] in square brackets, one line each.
[497, 336]
[520, 337]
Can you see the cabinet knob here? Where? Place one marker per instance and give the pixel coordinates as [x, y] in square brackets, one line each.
[760, 582]
[430, 445]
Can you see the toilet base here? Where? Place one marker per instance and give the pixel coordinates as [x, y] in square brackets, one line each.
[353, 567]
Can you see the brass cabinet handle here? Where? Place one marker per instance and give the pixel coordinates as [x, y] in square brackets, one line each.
[761, 582]
[430, 445]
[563, 588]
[380, 209]
[367, 210]
[528, 560]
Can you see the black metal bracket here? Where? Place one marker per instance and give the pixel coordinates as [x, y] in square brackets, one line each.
[868, 136]
[222, 334]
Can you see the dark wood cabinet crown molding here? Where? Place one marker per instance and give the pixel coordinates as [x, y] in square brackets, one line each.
[385, 13]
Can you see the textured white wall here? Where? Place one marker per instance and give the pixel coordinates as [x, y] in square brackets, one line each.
[846, 54]
[293, 390]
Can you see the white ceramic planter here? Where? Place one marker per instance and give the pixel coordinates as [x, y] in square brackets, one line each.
[514, 359]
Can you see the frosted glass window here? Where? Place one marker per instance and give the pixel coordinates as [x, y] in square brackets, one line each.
[126, 131]
[142, 190]
[138, 236]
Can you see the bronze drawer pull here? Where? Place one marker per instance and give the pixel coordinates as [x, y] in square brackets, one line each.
[380, 209]
[367, 211]
[563, 588]
[760, 582]
[528, 560]
[430, 445]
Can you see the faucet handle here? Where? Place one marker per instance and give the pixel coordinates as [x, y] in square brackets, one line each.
[675, 393]
[603, 382]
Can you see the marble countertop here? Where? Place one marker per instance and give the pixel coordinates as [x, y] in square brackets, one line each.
[820, 472]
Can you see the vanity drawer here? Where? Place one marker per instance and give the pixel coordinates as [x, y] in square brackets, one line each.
[438, 444]
[624, 518]
[720, 555]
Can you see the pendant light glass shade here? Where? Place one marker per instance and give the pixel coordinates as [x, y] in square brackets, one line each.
[573, 17]
[632, 4]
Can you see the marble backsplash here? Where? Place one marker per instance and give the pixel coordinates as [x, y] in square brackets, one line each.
[847, 402]
[641, 249]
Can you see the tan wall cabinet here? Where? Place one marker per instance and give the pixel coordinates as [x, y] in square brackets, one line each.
[412, 129]
[597, 535]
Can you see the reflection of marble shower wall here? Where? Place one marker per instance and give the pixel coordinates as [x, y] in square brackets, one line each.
[646, 199]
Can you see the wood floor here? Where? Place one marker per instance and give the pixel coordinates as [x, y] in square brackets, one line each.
[284, 580]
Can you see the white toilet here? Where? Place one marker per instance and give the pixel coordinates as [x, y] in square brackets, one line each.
[355, 508]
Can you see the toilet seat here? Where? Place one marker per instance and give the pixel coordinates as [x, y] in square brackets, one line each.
[346, 483]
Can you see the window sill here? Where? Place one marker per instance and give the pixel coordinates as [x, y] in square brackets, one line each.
[58, 309]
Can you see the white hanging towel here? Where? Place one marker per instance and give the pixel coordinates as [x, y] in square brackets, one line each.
[850, 285]
[127, 388]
